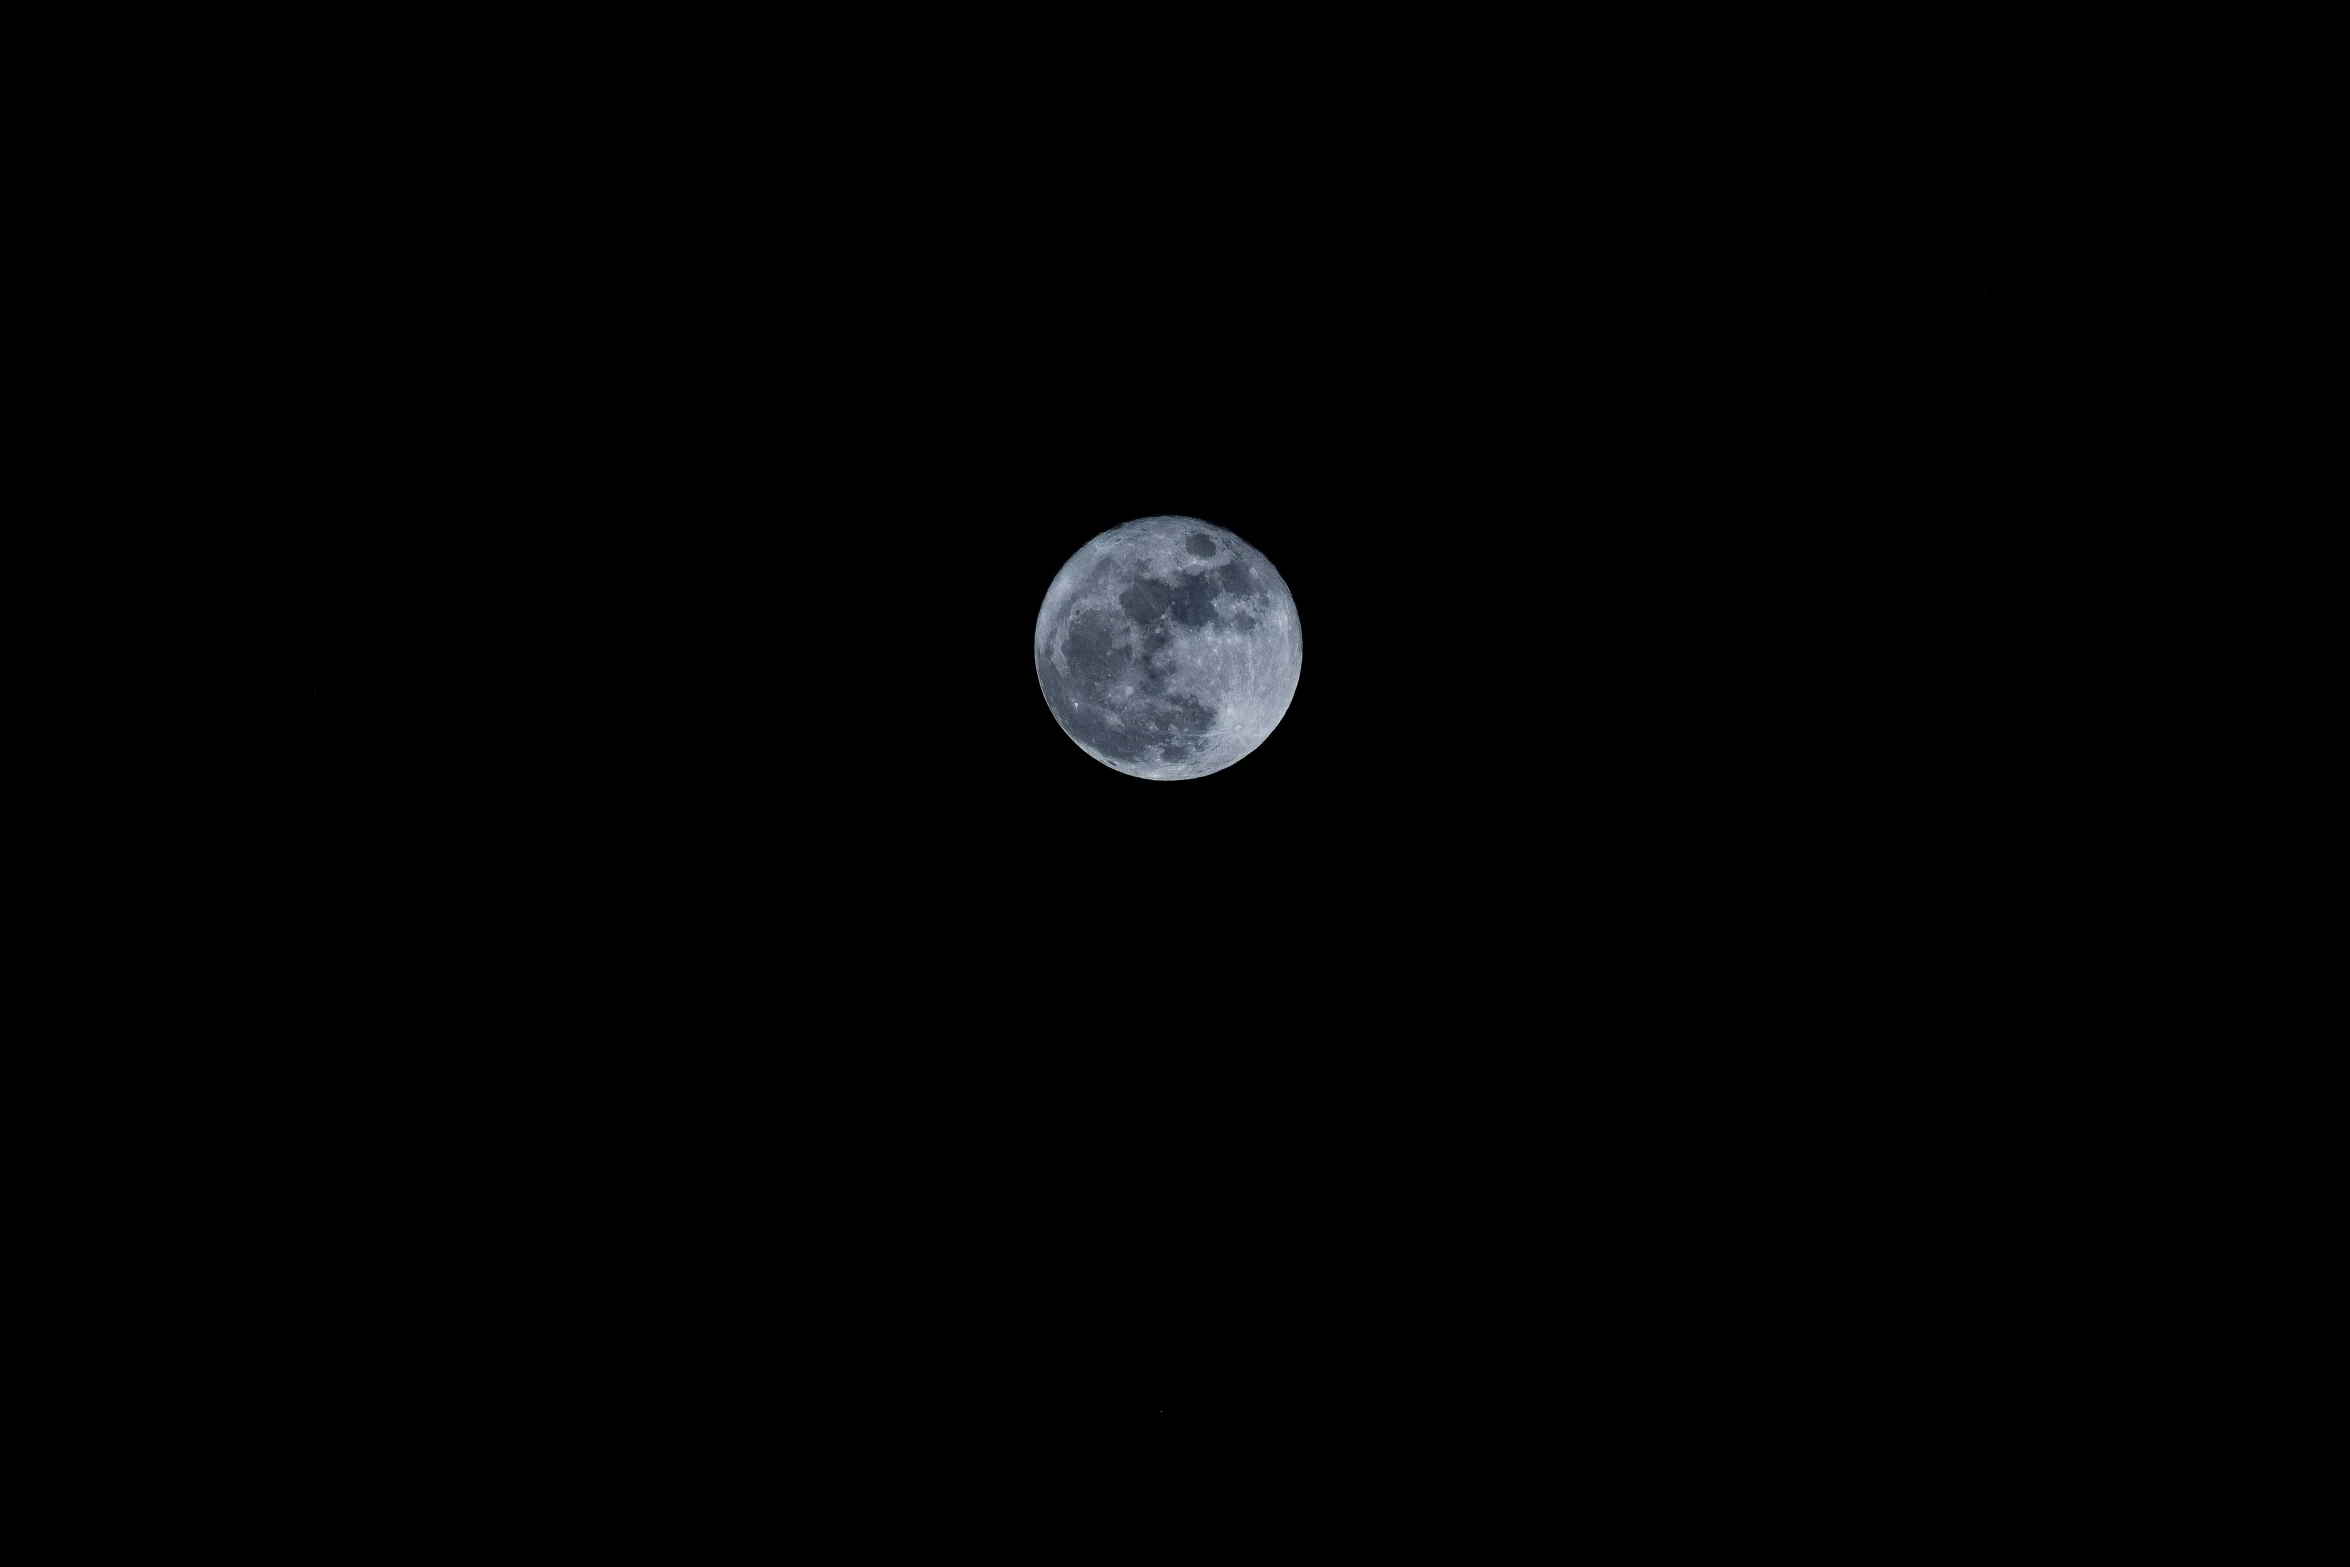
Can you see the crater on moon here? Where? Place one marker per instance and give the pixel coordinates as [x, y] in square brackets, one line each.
[1167, 651]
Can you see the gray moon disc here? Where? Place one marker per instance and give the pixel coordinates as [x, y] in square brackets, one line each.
[1168, 648]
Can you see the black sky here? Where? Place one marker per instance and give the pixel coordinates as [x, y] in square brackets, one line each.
[666, 665]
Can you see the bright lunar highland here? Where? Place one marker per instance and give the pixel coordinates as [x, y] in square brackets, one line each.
[1168, 648]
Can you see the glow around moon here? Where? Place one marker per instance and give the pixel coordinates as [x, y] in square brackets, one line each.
[1168, 648]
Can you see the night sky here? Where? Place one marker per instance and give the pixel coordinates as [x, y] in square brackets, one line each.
[657, 762]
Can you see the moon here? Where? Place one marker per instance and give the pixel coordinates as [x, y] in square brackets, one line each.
[1168, 648]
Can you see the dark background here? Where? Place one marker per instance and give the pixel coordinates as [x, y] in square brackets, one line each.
[1573, 868]
[669, 782]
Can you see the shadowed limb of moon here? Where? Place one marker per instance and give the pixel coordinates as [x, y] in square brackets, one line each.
[1168, 648]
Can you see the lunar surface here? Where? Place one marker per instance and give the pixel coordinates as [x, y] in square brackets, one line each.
[1168, 648]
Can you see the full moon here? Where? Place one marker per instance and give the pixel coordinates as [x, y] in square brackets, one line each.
[1168, 648]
